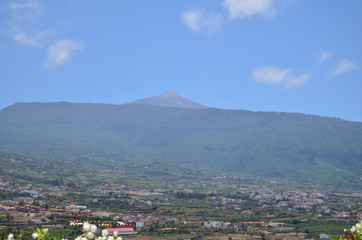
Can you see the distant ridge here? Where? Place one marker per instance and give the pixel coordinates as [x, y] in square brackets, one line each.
[170, 99]
[294, 147]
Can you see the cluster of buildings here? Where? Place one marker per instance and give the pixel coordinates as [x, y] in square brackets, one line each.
[297, 201]
[36, 208]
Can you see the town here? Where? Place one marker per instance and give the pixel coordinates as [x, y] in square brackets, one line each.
[197, 207]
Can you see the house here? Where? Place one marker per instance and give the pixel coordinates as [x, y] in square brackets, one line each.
[139, 224]
[34, 221]
[54, 226]
[342, 214]
[213, 224]
[117, 218]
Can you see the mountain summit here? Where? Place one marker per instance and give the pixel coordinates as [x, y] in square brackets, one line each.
[170, 99]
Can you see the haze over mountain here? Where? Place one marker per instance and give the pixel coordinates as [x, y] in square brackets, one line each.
[170, 99]
[292, 146]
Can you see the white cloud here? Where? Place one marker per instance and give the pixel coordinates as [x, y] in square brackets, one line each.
[36, 39]
[248, 8]
[60, 52]
[23, 23]
[29, 4]
[270, 75]
[200, 20]
[275, 75]
[323, 56]
[23, 26]
[192, 19]
[344, 65]
[24, 38]
[28, 11]
[292, 81]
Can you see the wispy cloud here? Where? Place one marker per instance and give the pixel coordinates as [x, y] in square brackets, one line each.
[30, 10]
[323, 56]
[23, 21]
[201, 20]
[24, 26]
[36, 39]
[29, 4]
[198, 20]
[275, 75]
[344, 65]
[248, 8]
[271, 75]
[60, 52]
[292, 81]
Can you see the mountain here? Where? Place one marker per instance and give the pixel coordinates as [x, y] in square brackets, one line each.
[297, 147]
[170, 99]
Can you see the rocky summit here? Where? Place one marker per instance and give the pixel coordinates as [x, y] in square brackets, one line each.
[170, 99]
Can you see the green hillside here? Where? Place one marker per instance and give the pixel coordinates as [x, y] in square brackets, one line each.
[285, 145]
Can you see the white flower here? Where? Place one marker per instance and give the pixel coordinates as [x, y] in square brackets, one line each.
[34, 235]
[93, 228]
[86, 226]
[119, 238]
[358, 226]
[110, 238]
[78, 238]
[115, 233]
[89, 235]
[45, 230]
[104, 233]
[353, 229]
[10, 236]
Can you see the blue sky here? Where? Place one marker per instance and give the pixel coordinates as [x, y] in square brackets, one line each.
[260, 55]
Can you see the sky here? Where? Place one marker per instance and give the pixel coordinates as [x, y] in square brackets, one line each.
[261, 55]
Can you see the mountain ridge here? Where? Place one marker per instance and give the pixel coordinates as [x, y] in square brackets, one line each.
[265, 144]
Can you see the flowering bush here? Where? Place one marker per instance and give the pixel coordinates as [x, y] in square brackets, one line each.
[354, 233]
[89, 232]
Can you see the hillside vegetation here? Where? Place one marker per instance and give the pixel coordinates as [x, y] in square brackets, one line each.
[293, 146]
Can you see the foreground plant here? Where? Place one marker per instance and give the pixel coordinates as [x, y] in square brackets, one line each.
[89, 232]
[11, 237]
[354, 233]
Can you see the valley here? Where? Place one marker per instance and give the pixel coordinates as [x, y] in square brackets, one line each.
[167, 202]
